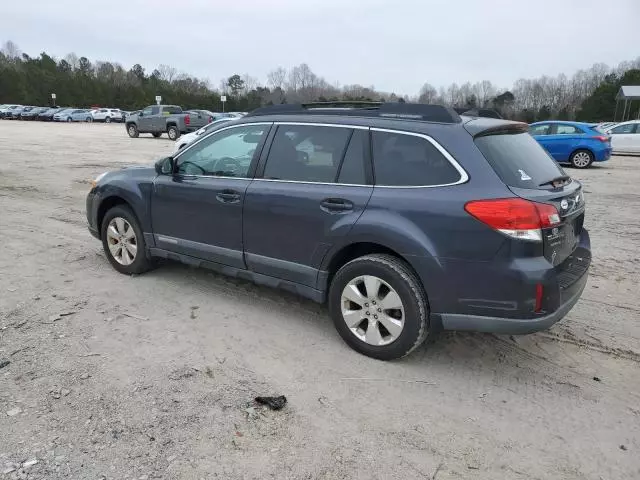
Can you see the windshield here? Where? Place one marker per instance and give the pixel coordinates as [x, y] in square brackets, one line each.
[519, 160]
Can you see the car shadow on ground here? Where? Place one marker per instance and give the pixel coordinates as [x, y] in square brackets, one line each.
[486, 354]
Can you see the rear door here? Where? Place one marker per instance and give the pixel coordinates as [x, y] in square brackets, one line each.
[563, 140]
[312, 185]
[530, 173]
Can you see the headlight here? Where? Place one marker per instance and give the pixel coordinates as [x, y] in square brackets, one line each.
[95, 181]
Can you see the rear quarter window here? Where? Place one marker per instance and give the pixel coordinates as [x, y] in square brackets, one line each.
[518, 159]
[407, 160]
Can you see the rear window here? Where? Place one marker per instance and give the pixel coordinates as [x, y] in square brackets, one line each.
[519, 160]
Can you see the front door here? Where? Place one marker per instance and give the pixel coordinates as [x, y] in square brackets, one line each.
[622, 137]
[314, 184]
[197, 211]
[145, 121]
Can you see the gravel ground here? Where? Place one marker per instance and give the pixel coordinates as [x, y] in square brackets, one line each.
[152, 376]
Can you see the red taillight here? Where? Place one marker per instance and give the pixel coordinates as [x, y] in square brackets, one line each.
[602, 138]
[515, 217]
[539, 292]
[187, 119]
[210, 119]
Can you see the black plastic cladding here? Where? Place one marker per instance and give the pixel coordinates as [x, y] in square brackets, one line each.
[402, 111]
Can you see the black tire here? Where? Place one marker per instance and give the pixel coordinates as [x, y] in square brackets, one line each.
[107, 120]
[405, 282]
[579, 159]
[89, 119]
[132, 130]
[173, 132]
[69, 119]
[156, 134]
[141, 263]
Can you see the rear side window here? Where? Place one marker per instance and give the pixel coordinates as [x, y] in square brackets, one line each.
[519, 160]
[171, 110]
[567, 130]
[306, 153]
[540, 129]
[401, 159]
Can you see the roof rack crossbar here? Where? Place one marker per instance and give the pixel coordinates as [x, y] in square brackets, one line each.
[406, 111]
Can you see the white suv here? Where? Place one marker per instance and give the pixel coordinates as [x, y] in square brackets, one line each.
[107, 115]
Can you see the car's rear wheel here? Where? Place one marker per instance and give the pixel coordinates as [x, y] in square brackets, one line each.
[173, 132]
[89, 119]
[582, 159]
[379, 307]
[157, 134]
[69, 119]
[132, 130]
[107, 120]
[123, 241]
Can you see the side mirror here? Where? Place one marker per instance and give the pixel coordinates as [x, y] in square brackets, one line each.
[141, 113]
[164, 166]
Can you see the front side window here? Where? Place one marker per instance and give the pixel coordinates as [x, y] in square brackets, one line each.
[620, 129]
[307, 153]
[400, 160]
[540, 129]
[228, 153]
[567, 130]
[155, 110]
[147, 111]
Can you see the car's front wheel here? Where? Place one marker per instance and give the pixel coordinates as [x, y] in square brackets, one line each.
[123, 241]
[89, 119]
[132, 130]
[107, 120]
[69, 119]
[582, 159]
[379, 307]
[173, 132]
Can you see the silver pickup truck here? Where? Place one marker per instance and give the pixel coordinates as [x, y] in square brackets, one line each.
[159, 119]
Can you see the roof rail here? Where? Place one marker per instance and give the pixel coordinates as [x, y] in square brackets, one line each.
[410, 111]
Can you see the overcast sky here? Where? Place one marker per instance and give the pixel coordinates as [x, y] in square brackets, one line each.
[395, 45]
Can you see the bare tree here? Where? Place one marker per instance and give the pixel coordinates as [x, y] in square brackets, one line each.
[428, 94]
[276, 78]
[250, 83]
[167, 73]
[10, 50]
[72, 59]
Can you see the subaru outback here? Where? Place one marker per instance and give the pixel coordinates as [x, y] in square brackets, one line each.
[405, 219]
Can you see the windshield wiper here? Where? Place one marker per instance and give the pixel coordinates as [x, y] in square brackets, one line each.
[553, 181]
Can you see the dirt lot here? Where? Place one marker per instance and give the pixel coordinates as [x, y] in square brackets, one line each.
[114, 377]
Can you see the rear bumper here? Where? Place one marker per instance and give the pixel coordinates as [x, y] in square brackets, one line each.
[602, 155]
[513, 326]
[503, 300]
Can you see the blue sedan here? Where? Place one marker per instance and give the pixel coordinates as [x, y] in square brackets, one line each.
[578, 144]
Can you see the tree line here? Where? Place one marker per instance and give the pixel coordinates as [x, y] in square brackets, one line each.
[588, 95]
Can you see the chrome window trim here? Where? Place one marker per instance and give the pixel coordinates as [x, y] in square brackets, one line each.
[464, 177]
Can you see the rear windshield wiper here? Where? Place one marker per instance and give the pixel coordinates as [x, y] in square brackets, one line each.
[561, 180]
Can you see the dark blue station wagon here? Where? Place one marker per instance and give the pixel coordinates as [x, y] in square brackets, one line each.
[406, 219]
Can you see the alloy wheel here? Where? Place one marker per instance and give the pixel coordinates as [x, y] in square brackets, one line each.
[581, 159]
[372, 310]
[122, 241]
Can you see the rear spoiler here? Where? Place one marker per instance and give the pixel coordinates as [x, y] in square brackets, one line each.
[480, 127]
[478, 112]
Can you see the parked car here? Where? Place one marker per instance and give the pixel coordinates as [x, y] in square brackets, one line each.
[184, 140]
[107, 115]
[604, 126]
[625, 137]
[32, 114]
[16, 113]
[7, 110]
[158, 119]
[73, 115]
[404, 218]
[48, 114]
[574, 143]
